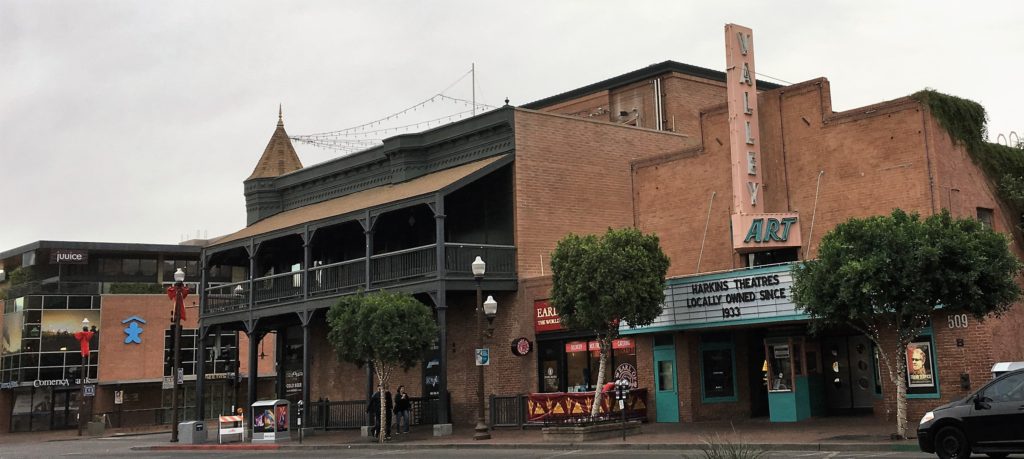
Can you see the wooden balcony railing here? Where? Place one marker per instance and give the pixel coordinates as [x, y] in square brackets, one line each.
[397, 267]
[347, 276]
[227, 298]
[500, 259]
[386, 269]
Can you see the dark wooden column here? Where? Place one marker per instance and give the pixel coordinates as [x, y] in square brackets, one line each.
[442, 311]
[254, 343]
[201, 372]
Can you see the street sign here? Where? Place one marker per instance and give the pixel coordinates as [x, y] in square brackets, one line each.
[483, 357]
[168, 383]
[118, 397]
[90, 390]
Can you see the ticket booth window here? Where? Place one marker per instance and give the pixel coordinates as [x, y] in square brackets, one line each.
[785, 362]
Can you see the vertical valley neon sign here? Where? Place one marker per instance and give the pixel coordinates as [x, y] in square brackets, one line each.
[752, 227]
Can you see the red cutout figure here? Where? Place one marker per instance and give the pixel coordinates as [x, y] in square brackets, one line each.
[172, 294]
[83, 338]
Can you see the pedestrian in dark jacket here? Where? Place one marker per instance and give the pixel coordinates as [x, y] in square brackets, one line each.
[389, 407]
[373, 410]
[402, 409]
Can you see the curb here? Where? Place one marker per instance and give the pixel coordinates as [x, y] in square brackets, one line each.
[887, 447]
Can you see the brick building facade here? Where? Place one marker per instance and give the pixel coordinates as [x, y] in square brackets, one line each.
[129, 358]
[649, 149]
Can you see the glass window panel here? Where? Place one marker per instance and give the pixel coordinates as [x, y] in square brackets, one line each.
[578, 367]
[780, 366]
[51, 373]
[28, 374]
[33, 302]
[595, 366]
[625, 365]
[130, 266]
[665, 375]
[51, 359]
[80, 302]
[32, 317]
[718, 373]
[110, 266]
[147, 267]
[55, 302]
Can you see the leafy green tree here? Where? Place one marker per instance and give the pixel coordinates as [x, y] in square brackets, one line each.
[886, 276]
[600, 281]
[387, 330]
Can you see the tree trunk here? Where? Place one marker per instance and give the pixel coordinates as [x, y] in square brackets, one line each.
[383, 375]
[605, 344]
[901, 392]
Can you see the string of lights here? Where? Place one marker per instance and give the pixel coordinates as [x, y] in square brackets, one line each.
[336, 143]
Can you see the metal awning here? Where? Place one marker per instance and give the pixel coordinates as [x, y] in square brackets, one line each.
[361, 200]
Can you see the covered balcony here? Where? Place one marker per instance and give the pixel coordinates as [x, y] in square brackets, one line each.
[417, 236]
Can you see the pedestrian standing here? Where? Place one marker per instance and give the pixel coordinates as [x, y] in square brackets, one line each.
[373, 410]
[402, 409]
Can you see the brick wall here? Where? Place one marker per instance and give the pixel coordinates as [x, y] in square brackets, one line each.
[574, 176]
[120, 361]
[952, 361]
[962, 188]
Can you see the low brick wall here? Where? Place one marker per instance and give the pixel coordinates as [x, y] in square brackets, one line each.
[579, 434]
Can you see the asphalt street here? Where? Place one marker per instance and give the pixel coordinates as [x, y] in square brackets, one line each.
[117, 447]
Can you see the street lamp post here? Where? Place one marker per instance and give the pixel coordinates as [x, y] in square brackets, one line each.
[489, 309]
[83, 338]
[178, 292]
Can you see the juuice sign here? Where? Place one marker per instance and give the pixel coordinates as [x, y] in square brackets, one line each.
[760, 294]
[69, 257]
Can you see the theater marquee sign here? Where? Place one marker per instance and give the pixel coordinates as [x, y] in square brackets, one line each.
[741, 296]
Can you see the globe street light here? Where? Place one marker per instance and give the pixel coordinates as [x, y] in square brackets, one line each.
[177, 292]
[489, 309]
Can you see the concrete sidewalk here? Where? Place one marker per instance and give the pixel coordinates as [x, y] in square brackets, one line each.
[822, 434]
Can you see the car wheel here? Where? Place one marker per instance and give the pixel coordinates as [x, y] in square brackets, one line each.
[951, 443]
[998, 455]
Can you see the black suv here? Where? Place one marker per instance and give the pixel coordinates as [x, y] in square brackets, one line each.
[990, 421]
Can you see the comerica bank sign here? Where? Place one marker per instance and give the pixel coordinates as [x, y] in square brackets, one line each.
[758, 295]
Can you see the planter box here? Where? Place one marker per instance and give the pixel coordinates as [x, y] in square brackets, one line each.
[96, 428]
[580, 434]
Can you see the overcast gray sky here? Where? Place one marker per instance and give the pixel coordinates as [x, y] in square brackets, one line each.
[137, 121]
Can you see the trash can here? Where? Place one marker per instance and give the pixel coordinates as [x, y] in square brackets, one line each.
[192, 432]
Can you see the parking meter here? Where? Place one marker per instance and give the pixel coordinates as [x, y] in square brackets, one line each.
[299, 419]
[621, 392]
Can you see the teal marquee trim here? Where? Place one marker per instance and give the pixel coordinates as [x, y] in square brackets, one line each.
[724, 323]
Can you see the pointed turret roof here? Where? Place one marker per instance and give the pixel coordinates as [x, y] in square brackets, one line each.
[279, 157]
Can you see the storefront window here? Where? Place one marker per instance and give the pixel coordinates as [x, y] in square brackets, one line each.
[624, 353]
[717, 368]
[718, 372]
[573, 365]
[577, 361]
